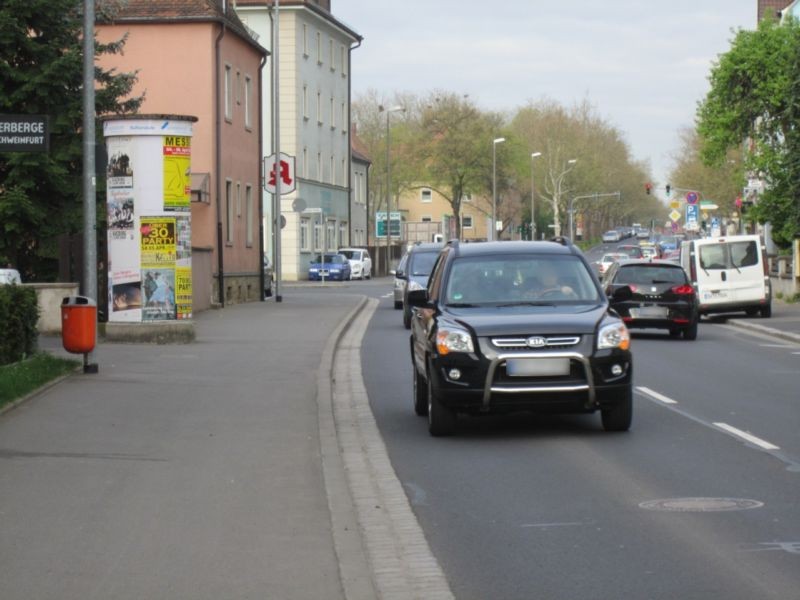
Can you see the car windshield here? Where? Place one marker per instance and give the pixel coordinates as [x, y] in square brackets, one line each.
[729, 255]
[329, 258]
[631, 251]
[422, 263]
[509, 280]
[609, 258]
[351, 254]
[650, 274]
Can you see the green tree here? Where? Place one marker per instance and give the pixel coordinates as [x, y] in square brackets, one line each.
[41, 73]
[753, 99]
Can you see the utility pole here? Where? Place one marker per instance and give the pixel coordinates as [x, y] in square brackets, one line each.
[276, 167]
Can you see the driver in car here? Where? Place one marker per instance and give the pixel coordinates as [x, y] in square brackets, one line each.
[545, 282]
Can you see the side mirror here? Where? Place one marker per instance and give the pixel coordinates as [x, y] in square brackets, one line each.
[399, 273]
[621, 294]
[418, 298]
[392, 272]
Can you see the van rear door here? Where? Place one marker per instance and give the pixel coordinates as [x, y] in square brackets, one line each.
[746, 277]
[713, 281]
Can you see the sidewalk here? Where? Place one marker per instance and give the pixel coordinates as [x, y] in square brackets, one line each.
[784, 323]
[182, 472]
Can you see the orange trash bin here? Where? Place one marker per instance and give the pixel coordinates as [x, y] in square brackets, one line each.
[78, 324]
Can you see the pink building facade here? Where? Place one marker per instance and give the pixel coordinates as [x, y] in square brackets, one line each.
[195, 58]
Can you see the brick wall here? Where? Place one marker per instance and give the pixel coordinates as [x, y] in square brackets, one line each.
[771, 7]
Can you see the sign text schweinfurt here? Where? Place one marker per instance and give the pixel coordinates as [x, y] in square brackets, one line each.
[24, 133]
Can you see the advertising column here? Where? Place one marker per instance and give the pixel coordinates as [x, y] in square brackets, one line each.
[149, 218]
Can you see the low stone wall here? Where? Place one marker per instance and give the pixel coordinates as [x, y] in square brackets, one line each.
[239, 288]
[49, 297]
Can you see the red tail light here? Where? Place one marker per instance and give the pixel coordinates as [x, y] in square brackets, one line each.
[683, 290]
[633, 287]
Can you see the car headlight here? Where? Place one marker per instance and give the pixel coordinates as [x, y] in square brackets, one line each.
[614, 335]
[413, 285]
[453, 340]
[313, 270]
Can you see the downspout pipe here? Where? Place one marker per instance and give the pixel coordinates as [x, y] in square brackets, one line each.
[260, 195]
[350, 145]
[218, 155]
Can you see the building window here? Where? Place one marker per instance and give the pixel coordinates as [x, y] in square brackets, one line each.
[344, 172]
[425, 195]
[344, 117]
[342, 235]
[319, 230]
[305, 40]
[305, 163]
[229, 211]
[333, 113]
[304, 246]
[319, 108]
[466, 198]
[331, 235]
[305, 102]
[248, 207]
[228, 93]
[319, 166]
[332, 173]
[238, 90]
[319, 48]
[344, 61]
[426, 218]
[466, 221]
[248, 90]
[239, 199]
[333, 56]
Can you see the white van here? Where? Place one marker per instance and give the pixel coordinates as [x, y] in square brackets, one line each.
[729, 274]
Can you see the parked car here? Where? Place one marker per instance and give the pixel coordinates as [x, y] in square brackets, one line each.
[729, 274]
[360, 262]
[517, 326]
[654, 294]
[631, 250]
[609, 259]
[611, 236]
[400, 281]
[418, 268]
[269, 276]
[9, 276]
[329, 267]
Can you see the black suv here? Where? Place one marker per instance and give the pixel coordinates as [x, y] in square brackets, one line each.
[517, 326]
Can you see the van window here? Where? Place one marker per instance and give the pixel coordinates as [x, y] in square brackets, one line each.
[714, 256]
[744, 254]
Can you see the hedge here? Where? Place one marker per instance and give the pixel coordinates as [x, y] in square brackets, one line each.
[18, 315]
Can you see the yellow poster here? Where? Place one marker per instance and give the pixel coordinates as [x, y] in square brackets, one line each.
[158, 242]
[177, 172]
[183, 292]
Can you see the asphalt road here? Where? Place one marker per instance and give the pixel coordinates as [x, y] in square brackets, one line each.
[553, 507]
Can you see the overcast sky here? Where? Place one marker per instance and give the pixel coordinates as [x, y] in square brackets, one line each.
[643, 63]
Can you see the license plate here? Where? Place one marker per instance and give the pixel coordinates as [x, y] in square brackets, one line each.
[537, 367]
[323, 272]
[649, 312]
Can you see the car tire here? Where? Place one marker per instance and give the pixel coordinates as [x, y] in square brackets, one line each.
[398, 305]
[268, 291]
[690, 333]
[406, 316]
[674, 333]
[766, 311]
[751, 312]
[441, 420]
[420, 393]
[619, 417]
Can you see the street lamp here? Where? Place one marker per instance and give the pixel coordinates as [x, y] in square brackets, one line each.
[388, 111]
[494, 185]
[533, 190]
[570, 165]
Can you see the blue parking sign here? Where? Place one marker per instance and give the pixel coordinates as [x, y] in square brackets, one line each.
[691, 214]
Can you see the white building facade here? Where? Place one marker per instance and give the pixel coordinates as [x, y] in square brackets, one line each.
[314, 85]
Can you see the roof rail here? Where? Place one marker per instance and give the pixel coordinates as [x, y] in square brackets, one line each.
[561, 239]
[453, 243]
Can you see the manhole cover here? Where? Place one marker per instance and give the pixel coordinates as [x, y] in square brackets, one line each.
[701, 504]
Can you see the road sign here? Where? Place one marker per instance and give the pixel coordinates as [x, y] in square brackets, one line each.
[314, 210]
[24, 133]
[675, 204]
[691, 198]
[285, 172]
[394, 223]
[674, 215]
[691, 215]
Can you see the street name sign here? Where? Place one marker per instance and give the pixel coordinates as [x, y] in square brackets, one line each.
[24, 133]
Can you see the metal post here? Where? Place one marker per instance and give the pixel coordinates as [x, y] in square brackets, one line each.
[533, 195]
[388, 195]
[89, 282]
[494, 191]
[276, 132]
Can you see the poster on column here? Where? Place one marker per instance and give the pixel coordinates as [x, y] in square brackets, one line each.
[125, 295]
[158, 256]
[177, 151]
[183, 292]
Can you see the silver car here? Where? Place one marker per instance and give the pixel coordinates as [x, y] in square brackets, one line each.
[400, 282]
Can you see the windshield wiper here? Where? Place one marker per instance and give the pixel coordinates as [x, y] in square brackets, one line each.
[525, 303]
[461, 305]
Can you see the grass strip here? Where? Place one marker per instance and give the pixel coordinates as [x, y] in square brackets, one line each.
[21, 378]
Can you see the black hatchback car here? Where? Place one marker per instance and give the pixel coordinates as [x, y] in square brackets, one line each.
[517, 326]
[655, 294]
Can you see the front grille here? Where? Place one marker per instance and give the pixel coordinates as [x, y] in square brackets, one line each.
[577, 376]
[522, 343]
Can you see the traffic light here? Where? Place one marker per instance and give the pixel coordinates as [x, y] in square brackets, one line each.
[648, 187]
[669, 187]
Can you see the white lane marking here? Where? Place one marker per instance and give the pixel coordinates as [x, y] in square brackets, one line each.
[747, 436]
[656, 395]
[389, 295]
[570, 524]
[777, 345]
[798, 353]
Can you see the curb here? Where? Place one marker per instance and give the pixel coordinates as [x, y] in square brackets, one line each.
[41, 389]
[762, 329]
[355, 574]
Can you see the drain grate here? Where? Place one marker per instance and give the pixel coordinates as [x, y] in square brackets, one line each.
[701, 504]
